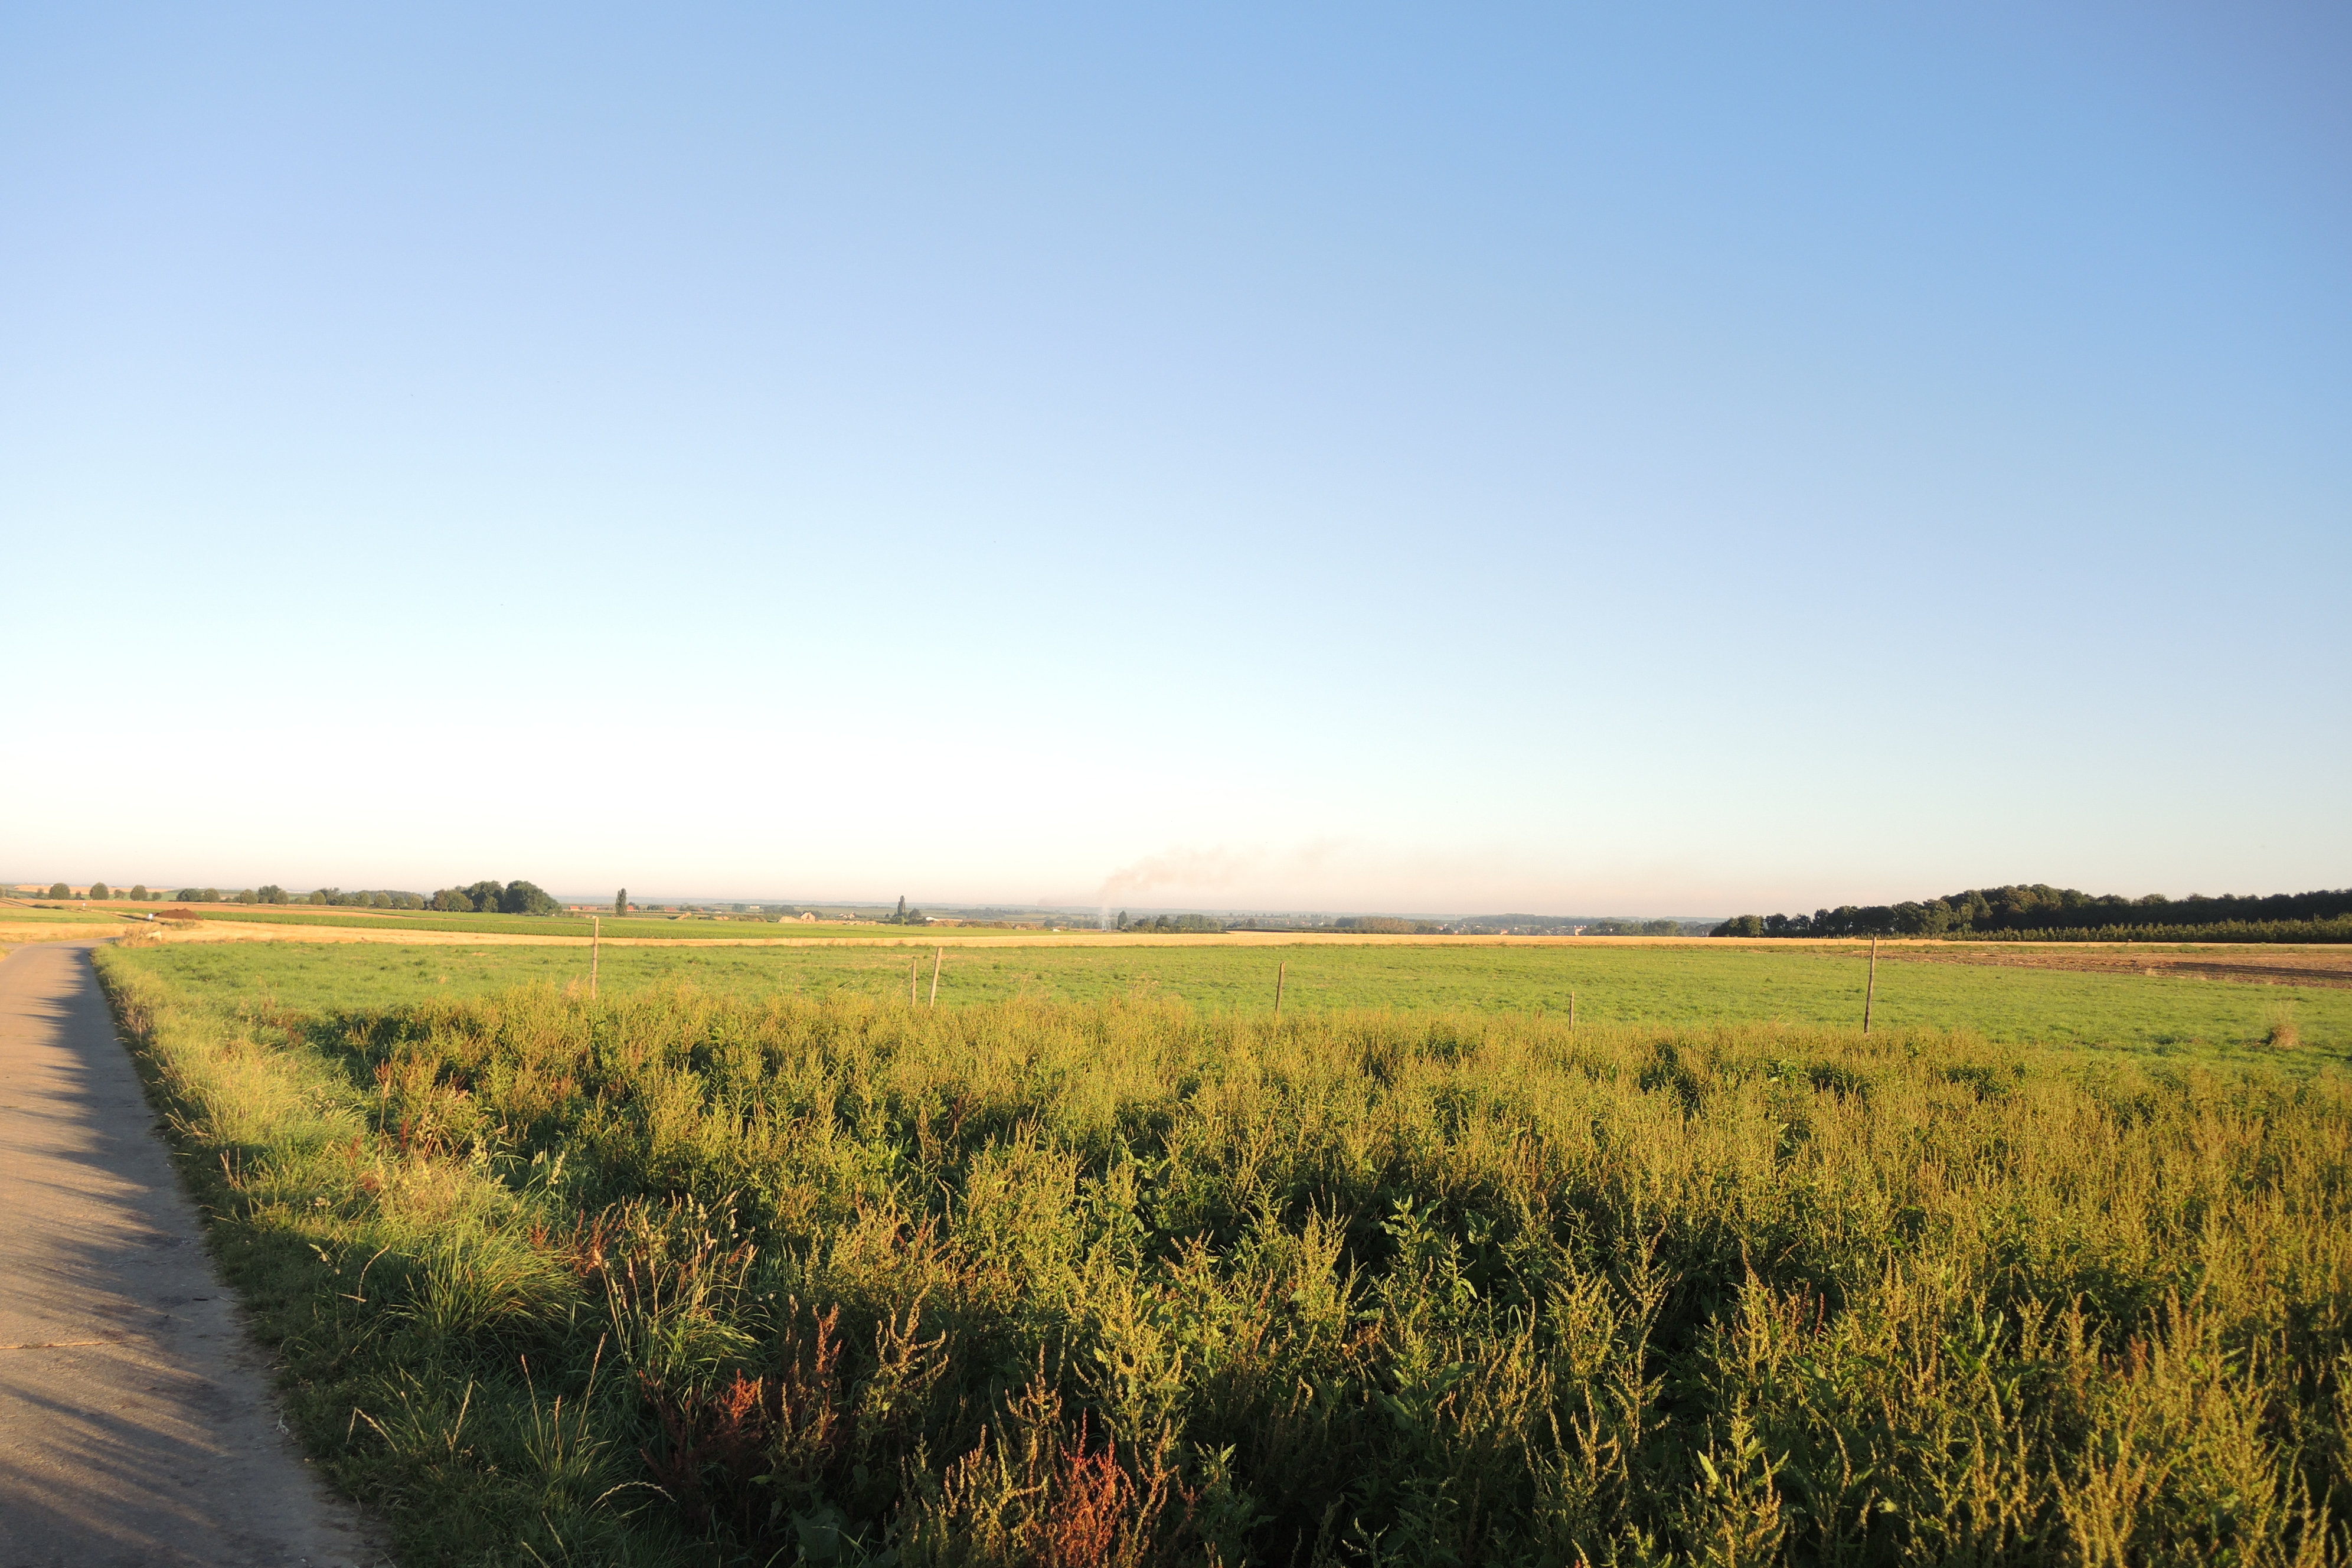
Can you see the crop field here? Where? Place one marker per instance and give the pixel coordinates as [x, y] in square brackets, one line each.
[1692, 985]
[21, 923]
[749, 1261]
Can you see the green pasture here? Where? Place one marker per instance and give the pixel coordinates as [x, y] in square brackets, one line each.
[1663, 985]
[49, 914]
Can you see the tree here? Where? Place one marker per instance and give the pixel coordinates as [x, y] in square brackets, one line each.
[59, 890]
[621, 902]
[99, 890]
[139, 892]
[453, 900]
[486, 896]
[528, 899]
[270, 893]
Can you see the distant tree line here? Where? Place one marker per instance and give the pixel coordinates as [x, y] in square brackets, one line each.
[2038, 911]
[271, 893]
[2336, 930]
[137, 894]
[268, 893]
[1195, 924]
[1642, 928]
[1386, 925]
[1569, 925]
[496, 897]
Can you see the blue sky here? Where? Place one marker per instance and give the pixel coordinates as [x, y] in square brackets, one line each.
[1568, 459]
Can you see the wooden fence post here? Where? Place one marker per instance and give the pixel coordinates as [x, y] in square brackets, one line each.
[595, 949]
[1572, 1009]
[914, 967]
[936, 956]
[1280, 971]
[1871, 994]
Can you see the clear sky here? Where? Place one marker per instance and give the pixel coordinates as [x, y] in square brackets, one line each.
[1565, 458]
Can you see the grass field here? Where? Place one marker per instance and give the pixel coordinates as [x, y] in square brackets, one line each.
[1682, 985]
[803, 1275]
[44, 914]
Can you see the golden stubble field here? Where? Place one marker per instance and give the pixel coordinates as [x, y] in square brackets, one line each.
[18, 933]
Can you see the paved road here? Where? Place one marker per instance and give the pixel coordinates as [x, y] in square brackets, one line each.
[136, 1421]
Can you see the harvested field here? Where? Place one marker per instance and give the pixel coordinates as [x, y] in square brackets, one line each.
[2267, 965]
[13, 932]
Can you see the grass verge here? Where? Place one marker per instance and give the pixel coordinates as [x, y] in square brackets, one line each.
[394, 1280]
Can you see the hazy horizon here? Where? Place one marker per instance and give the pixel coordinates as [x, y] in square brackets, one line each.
[953, 907]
